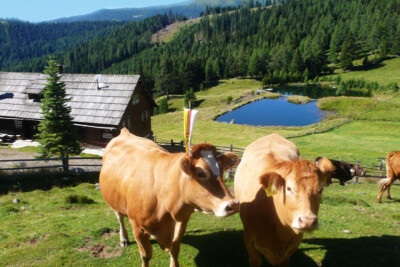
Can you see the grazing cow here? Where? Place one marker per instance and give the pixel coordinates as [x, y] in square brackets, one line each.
[279, 196]
[392, 173]
[343, 171]
[158, 190]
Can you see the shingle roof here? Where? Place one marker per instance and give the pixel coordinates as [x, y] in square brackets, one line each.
[89, 104]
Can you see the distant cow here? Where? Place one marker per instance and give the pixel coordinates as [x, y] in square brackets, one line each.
[279, 196]
[392, 173]
[158, 190]
[343, 171]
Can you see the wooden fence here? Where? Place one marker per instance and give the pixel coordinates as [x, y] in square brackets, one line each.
[12, 167]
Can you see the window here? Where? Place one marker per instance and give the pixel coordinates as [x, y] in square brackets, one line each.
[18, 124]
[126, 122]
[145, 115]
[135, 99]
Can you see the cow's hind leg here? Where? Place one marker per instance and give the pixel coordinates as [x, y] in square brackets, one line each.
[385, 184]
[143, 241]
[388, 193]
[123, 234]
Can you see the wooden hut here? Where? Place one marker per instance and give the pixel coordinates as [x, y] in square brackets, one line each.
[100, 105]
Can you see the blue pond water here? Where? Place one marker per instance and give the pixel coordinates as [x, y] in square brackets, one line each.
[275, 112]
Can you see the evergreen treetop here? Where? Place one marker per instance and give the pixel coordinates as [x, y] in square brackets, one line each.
[57, 134]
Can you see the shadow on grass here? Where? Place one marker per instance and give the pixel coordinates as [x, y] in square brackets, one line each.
[227, 249]
[362, 251]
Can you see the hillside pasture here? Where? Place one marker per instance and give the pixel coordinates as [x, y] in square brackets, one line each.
[384, 73]
[48, 229]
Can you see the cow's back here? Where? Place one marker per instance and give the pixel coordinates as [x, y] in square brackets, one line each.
[128, 163]
[259, 156]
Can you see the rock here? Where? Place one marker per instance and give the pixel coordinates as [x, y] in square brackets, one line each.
[363, 193]
[347, 231]
[16, 200]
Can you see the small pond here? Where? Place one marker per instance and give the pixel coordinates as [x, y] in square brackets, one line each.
[275, 112]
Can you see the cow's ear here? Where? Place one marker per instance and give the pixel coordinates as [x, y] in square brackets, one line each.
[228, 160]
[186, 166]
[272, 182]
[326, 167]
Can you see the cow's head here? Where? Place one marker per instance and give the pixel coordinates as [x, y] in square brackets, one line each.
[357, 170]
[297, 187]
[205, 188]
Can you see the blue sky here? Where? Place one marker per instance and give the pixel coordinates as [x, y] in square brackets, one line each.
[42, 10]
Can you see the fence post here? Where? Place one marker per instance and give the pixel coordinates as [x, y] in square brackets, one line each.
[380, 166]
[231, 149]
[172, 143]
[155, 138]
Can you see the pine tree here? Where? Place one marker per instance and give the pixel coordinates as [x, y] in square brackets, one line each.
[57, 134]
[297, 62]
[348, 53]
[163, 78]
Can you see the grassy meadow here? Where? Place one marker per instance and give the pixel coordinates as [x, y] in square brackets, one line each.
[48, 229]
[385, 73]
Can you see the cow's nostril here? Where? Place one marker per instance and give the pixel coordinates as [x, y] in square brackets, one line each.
[228, 209]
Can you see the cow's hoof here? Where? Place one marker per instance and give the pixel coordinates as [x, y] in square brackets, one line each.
[389, 198]
[124, 243]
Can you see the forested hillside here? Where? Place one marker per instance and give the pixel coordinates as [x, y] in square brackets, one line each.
[189, 9]
[24, 41]
[289, 42]
[282, 43]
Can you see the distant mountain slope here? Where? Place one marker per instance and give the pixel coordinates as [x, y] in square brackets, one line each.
[24, 41]
[189, 9]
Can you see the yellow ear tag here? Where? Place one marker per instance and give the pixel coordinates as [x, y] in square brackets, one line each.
[270, 190]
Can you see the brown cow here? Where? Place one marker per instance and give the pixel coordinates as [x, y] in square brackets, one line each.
[158, 190]
[392, 173]
[274, 225]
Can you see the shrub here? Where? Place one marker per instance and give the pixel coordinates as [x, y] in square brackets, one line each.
[229, 99]
[163, 108]
[77, 199]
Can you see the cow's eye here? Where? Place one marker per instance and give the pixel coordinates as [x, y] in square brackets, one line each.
[201, 174]
[289, 189]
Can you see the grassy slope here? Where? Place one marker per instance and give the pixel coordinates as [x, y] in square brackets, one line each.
[387, 72]
[51, 232]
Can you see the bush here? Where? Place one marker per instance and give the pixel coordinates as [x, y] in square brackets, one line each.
[229, 99]
[163, 108]
[76, 199]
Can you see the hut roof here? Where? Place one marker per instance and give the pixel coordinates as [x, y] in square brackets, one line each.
[95, 99]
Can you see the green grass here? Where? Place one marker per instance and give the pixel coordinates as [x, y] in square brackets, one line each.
[385, 73]
[50, 231]
[362, 140]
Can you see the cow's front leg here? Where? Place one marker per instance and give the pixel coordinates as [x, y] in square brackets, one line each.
[180, 228]
[123, 234]
[143, 241]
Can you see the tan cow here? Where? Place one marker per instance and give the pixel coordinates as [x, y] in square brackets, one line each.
[279, 196]
[158, 191]
[392, 173]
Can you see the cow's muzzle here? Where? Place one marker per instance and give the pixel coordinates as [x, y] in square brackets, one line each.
[227, 208]
[305, 223]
